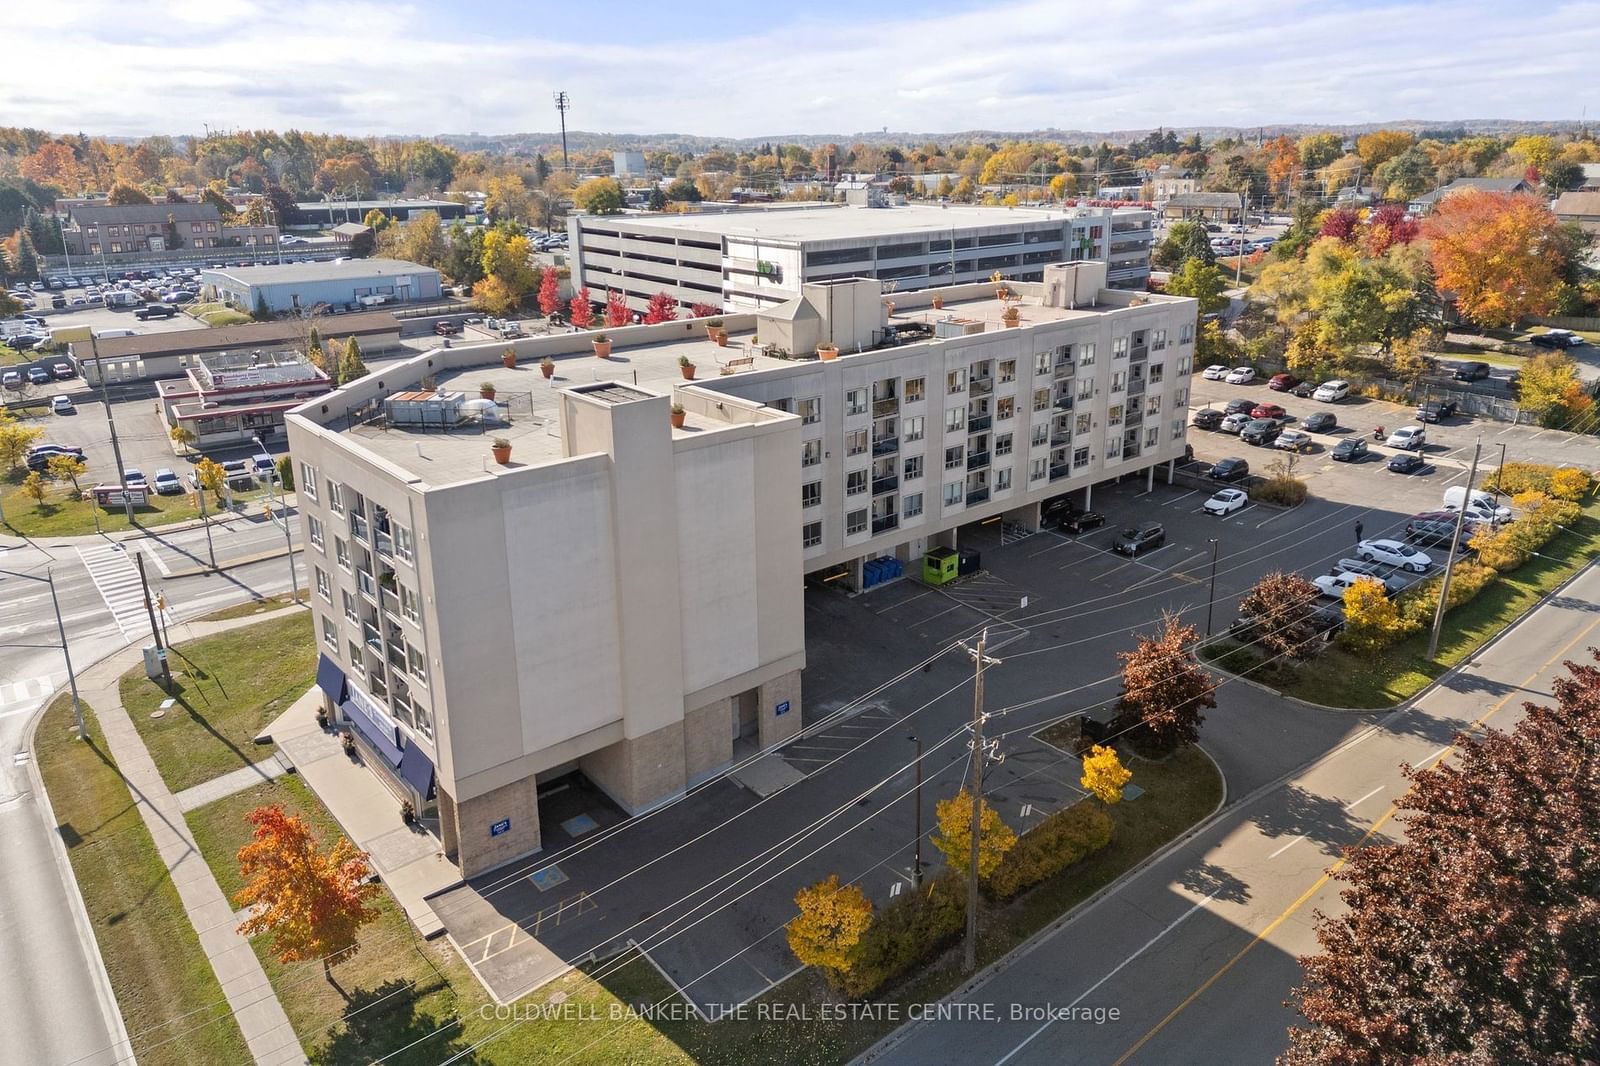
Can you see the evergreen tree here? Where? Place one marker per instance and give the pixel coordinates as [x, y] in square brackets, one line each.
[350, 366]
[27, 265]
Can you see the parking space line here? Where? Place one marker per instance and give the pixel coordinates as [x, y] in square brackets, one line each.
[1177, 499]
[1274, 518]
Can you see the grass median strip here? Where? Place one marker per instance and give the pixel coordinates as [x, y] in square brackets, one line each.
[227, 687]
[63, 515]
[261, 605]
[169, 997]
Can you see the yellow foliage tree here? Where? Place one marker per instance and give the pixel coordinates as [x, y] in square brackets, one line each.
[15, 440]
[211, 476]
[1570, 483]
[954, 836]
[1371, 619]
[69, 467]
[182, 436]
[492, 296]
[831, 922]
[34, 485]
[1104, 774]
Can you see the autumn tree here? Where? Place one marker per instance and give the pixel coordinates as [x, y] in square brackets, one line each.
[831, 922]
[1164, 688]
[1380, 146]
[122, 194]
[15, 440]
[1184, 241]
[351, 365]
[317, 357]
[1104, 775]
[662, 308]
[1372, 621]
[375, 220]
[1279, 608]
[492, 296]
[581, 313]
[953, 837]
[211, 476]
[68, 466]
[550, 293]
[1471, 937]
[313, 903]
[599, 196]
[1550, 388]
[1491, 250]
[617, 313]
[35, 486]
[507, 255]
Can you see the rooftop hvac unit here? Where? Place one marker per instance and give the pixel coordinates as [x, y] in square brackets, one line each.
[439, 408]
[957, 327]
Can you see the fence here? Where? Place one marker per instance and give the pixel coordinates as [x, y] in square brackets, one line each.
[98, 266]
[1558, 322]
[1470, 401]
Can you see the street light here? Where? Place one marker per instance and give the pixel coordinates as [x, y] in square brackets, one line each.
[288, 539]
[72, 678]
[916, 869]
[1211, 597]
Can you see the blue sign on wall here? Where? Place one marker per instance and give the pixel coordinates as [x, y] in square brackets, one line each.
[783, 708]
[502, 826]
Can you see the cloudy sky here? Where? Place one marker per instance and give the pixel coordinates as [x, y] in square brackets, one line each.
[755, 68]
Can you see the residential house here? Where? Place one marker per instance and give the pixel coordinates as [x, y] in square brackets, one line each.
[1425, 203]
[1580, 207]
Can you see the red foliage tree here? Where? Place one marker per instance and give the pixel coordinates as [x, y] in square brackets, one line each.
[1475, 938]
[701, 310]
[617, 313]
[1340, 223]
[1164, 689]
[581, 314]
[662, 308]
[550, 293]
[1386, 227]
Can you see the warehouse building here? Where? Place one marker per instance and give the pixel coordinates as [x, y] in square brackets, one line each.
[349, 283]
[747, 259]
[557, 580]
[332, 212]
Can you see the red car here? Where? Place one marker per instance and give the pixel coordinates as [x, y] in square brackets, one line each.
[1266, 410]
[1282, 382]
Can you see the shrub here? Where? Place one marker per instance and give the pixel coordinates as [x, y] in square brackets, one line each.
[914, 926]
[1568, 483]
[1062, 839]
[1372, 621]
[1283, 491]
[1469, 578]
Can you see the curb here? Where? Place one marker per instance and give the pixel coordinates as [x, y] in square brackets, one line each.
[230, 564]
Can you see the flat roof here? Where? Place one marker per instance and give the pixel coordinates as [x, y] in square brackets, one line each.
[353, 205]
[248, 336]
[828, 223]
[349, 270]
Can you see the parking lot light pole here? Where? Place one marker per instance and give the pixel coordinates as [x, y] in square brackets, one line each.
[1211, 597]
[288, 537]
[116, 449]
[916, 869]
[66, 653]
[1450, 560]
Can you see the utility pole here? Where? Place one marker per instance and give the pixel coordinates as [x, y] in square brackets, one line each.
[116, 449]
[916, 869]
[1500, 474]
[1211, 598]
[155, 631]
[1450, 560]
[980, 754]
[563, 103]
[288, 537]
[205, 520]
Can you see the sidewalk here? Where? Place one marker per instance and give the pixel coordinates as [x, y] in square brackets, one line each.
[410, 860]
[266, 1028]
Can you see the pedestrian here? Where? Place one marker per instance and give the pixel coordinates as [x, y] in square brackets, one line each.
[1358, 532]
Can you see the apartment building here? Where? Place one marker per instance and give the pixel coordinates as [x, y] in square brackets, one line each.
[140, 229]
[747, 259]
[622, 597]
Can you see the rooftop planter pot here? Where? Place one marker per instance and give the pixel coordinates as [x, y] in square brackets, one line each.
[602, 346]
[547, 367]
[486, 390]
[827, 351]
[1012, 315]
[508, 358]
[717, 332]
[502, 451]
[677, 416]
[686, 368]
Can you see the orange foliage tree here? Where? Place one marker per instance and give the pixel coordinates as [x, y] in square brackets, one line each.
[313, 904]
[1494, 252]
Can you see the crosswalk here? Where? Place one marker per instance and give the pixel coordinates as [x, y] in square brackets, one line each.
[22, 695]
[117, 579]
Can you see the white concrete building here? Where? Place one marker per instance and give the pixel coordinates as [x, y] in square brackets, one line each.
[627, 164]
[624, 598]
[750, 258]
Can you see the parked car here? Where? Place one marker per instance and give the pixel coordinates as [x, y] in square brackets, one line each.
[1239, 406]
[1260, 431]
[38, 375]
[11, 379]
[1472, 371]
[1476, 502]
[1406, 463]
[1321, 422]
[149, 311]
[134, 476]
[1207, 418]
[1230, 469]
[447, 328]
[61, 405]
[1439, 527]
[1408, 438]
[1282, 382]
[1082, 522]
[1331, 391]
[1334, 585]
[1267, 410]
[1303, 390]
[1240, 375]
[1225, 502]
[1294, 440]
[1395, 553]
[1557, 338]
[167, 483]
[1350, 450]
[1435, 410]
[62, 371]
[1136, 539]
[1234, 423]
[1214, 372]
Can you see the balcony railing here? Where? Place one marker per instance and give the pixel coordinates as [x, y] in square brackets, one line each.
[384, 543]
[1133, 417]
[1064, 403]
[369, 633]
[397, 659]
[1066, 368]
[885, 524]
[978, 423]
[1136, 387]
[887, 483]
[887, 406]
[1139, 354]
[885, 445]
[981, 386]
[977, 459]
[1059, 471]
[1060, 436]
[977, 496]
[389, 602]
[367, 584]
[358, 526]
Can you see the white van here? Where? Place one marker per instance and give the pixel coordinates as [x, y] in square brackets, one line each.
[1480, 503]
[105, 334]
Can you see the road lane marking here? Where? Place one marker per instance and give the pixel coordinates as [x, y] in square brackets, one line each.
[1295, 840]
[1355, 803]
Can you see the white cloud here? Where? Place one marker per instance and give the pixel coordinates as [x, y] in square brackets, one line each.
[135, 67]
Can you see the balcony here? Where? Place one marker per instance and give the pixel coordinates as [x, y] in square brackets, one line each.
[358, 526]
[1133, 417]
[887, 483]
[1064, 403]
[977, 459]
[885, 445]
[1139, 354]
[981, 386]
[978, 496]
[397, 658]
[1136, 387]
[367, 584]
[885, 524]
[978, 423]
[1058, 437]
[885, 407]
[1066, 368]
[1059, 471]
[384, 543]
[389, 602]
[369, 634]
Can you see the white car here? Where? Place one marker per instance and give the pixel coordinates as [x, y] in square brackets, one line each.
[1214, 372]
[1395, 553]
[61, 405]
[1235, 423]
[1331, 391]
[1333, 585]
[1226, 502]
[1240, 375]
[1408, 438]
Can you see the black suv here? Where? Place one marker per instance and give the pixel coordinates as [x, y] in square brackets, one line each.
[1207, 418]
[1260, 431]
[1132, 541]
[1472, 371]
[1438, 527]
[1231, 470]
[1436, 410]
[1239, 407]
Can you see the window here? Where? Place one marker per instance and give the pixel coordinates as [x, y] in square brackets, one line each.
[1158, 373]
[341, 552]
[211, 227]
[1177, 428]
[402, 542]
[1002, 478]
[914, 387]
[417, 666]
[324, 586]
[1151, 436]
[911, 429]
[1119, 380]
[116, 246]
[1186, 334]
[350, 607]
[855, 482]
[314, 531]
[1185, 365]
[330, 634]
[913, 467]
[957, 380]
[1114, 415]
[855, 522]
[855, 402]
[1037, 469]
[811, 494]
[1040, 435]
[1008, 370]
[811, 534]
[1158, 340]
[1063, 354]
[855, 442]
[1002, 444]
[357, 666]
[954, 458]
[1086, 388]
[1041, 362]
[1005, 407]
[308, 480]
[335, 497]
[810, 452]
[952, 493]
[911, 505]
[1086, 355]
[1180, 397]
[1041, 399]
[1119, 348]
[408, 603]
[1080, 457]
[809, 410]
[1081, 424]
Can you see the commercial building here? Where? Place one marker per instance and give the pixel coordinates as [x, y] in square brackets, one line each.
[130, 231]
[1206, 206]
[332, 212]
[351, 283]
[746, 259]
[627, 164]
[622, 598]
[228, 398]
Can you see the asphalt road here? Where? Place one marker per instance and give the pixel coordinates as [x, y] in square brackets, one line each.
[54, 1006]
[1198, 952]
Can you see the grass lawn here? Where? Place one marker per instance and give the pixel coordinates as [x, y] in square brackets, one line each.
[228, 686]
[157, 969]
[9, 356]
[63, 516]
[1180, 791]
[217, 314]
[262, 605]
[1339, 678]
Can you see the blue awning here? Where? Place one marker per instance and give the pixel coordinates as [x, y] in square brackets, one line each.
[378, 736]
[416, 770]
[330, 679]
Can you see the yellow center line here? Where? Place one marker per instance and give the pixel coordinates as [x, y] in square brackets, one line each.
[1328, 874]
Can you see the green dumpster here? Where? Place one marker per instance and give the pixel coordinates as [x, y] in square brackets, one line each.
[940, 566]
